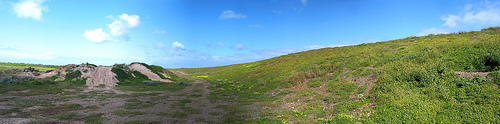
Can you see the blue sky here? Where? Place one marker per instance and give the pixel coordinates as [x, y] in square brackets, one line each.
[203, 33]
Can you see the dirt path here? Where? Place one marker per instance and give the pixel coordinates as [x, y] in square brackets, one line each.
[189, 105]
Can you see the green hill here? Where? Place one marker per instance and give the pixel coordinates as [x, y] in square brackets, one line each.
[411, 80]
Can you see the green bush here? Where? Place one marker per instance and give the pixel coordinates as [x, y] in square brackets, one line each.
[72, 75]
[121, 75]
[139, 76]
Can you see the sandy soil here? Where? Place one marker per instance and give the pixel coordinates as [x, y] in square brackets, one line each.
[147, 72]
[471, 74]
[102, 76]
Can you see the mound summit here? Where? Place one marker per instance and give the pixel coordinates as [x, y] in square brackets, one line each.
[107, 76]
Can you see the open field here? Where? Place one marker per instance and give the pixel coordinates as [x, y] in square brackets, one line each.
[57, 103]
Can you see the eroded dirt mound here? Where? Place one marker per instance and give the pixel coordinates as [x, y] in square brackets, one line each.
[102, 76]
[95, 75]
[144, 70]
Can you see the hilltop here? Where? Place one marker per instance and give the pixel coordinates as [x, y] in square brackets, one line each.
[450, 78]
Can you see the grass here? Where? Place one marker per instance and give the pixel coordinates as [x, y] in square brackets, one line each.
[123, 113]
[40, 67]
[413, 82]
[143, 122]
[67, 116]
[94, 118]
[8, 111]
[61, 109]
[157, 87]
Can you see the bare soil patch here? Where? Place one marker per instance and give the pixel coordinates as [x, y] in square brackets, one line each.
[471, 74]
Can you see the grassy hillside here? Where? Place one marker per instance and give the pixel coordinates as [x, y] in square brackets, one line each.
[409, 80]
[41, 68]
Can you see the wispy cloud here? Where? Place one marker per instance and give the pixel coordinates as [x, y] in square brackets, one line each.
[29, 9]
[451, 20]
[304, 2]
[118, 28]
[178, 48]
[219, 44]
[160, 44]
[277, 12]
[228, 14]
[238, 47]
[159, 32]
[478, 15]
[27, 55]
[212, 45]
[256, 26]
[433, 30]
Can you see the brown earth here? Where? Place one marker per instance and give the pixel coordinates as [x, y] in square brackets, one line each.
[147, 72]
[471, 74]
[102, 76]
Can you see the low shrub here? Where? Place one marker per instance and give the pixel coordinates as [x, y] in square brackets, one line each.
[72, 75]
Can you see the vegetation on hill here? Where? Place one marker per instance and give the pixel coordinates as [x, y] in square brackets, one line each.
[40, 67]
[158, 70]
[409, 80]
[125, 77]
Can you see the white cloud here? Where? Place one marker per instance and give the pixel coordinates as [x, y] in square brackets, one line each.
[178, 45]
[451, 20]
[132, 20]
[119, 26]
[228, 14]
[96, 35]
[304, 2]
[238, 47]
[177, 48]
[432, 30]
[479, 15]
[29, 9]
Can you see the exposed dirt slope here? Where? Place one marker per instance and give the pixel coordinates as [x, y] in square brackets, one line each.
[102, 76]
[147, 72]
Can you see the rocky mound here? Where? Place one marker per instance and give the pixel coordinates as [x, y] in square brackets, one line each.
[100, 75]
